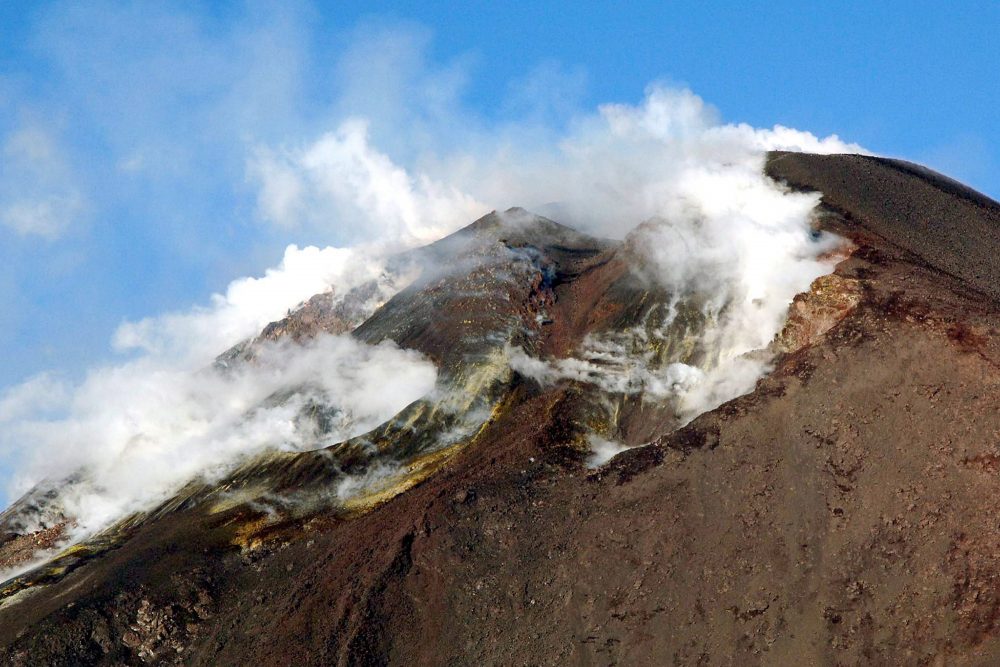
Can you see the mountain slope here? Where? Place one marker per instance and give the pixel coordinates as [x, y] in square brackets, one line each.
[843, 512]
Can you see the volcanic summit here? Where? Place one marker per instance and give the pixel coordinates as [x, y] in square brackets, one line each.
[595, 477]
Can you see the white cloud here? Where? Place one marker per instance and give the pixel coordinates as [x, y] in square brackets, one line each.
[47, 218]
[37, 193]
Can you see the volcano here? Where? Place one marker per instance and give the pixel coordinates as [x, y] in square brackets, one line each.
[550, 504]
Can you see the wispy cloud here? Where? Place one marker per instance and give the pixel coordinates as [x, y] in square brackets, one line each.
[342, 180]
[38, 193]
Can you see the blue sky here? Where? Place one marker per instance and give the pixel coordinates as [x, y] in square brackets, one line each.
[133, 123]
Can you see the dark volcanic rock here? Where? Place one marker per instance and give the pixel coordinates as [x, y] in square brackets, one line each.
[939, 221]
[845, 512]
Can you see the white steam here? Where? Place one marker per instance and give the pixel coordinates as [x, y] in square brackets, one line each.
[725, 235]
[195, 337]
[370, 194]
[603, 450]
[719, 235]
[135, 433]
[667, 157]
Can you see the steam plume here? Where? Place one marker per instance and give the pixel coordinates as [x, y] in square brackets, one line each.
[721, 234]
[718, 236]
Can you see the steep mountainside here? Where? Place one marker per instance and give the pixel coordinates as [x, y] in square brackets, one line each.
[846, 511]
